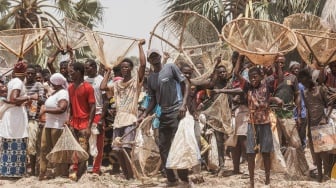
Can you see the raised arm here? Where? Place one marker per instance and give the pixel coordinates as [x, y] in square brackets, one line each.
[51, 61]
[103, 84]
[238, 67]
[142, 57]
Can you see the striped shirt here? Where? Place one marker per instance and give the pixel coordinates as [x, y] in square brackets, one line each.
[33, 108]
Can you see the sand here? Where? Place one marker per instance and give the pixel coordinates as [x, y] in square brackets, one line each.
[280, 180]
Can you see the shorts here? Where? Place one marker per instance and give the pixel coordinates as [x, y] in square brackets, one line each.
[119, 132]
[263, 136]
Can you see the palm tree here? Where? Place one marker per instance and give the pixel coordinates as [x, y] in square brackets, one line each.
[278, 10]
[219, 12]
[17, 14]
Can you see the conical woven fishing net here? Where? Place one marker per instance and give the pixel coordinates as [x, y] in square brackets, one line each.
[259, 40]
[7, 59]
[188, 37]
[306, 21]
[145, 155]
[316, 48]
[67, 150]
[219, 115]
[19, 41]
[110, 48]
[72, 34]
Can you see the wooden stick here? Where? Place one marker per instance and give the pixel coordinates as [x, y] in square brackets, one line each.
[276, 40]
[311, 50]
[170, 44]
[241, 36]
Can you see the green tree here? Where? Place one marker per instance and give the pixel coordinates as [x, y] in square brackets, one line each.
[219, 12]
[278, 10]
[17, 14]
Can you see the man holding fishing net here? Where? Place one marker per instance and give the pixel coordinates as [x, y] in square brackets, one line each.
[126, 92]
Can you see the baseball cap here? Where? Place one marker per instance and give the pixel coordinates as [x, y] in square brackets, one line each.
[153, 50]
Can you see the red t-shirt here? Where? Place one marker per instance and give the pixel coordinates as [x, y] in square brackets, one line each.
[80, 100]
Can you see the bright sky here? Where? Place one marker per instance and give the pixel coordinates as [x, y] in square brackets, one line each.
[134, 18]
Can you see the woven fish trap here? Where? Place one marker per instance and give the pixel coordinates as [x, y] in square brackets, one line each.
[20, 41]
[316, 48]
[259, 40]
[67, 149]
[306, 21]
[189, 38]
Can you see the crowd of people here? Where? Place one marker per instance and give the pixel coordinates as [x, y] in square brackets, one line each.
[37, 103]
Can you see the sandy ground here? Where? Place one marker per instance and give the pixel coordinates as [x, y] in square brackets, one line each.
[280, 180]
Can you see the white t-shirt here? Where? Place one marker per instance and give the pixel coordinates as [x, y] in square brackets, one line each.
[56, 121]
[95, 83]
[15, 120]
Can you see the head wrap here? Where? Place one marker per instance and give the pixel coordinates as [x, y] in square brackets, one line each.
[292, 63]
[59, 80]
[20, 67]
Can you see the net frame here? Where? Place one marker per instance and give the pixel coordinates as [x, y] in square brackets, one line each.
[63, 37]
[179, 49]
[96, 45]
[316, 37]
[265, 56]
[24, 46]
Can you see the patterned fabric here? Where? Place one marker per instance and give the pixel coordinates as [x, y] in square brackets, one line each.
[258, 102]
[13, 157]
[126, 100]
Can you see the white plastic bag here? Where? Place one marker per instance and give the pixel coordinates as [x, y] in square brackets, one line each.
[184, 152]
[213, 159]
[93, 141]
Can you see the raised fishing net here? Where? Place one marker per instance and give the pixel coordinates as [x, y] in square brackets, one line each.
[111, 49]
[20, 41]
[145, 154]
[306, 21]
[67, 149]
[72, 35]
[316, 48]
[259, 40]
[189, 38]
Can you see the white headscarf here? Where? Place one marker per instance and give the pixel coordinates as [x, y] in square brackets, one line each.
[59, 80]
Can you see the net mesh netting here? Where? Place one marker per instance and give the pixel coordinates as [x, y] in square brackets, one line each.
[19, 41]
[67, 149]
[111, 49]
[7, 59]
[145, 154]
[219, 115]
[72, 34]
[259, 40]
[306, 21]
[188, 38]
[316, 48]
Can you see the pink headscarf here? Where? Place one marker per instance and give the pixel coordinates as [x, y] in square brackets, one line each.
[59, 80]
